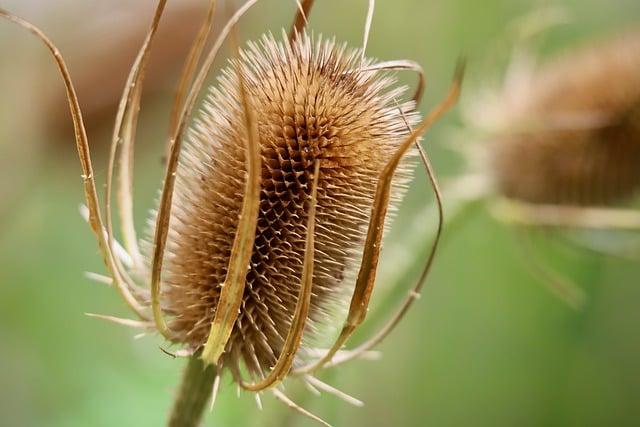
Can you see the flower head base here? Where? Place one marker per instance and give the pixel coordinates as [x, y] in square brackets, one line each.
[312, 102]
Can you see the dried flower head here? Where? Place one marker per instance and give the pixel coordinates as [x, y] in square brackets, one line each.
[311, 104]
[575, 135]
[561, 144]
[270, 219]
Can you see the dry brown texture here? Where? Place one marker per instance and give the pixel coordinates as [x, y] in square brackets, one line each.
[564, 163]
[310, 105]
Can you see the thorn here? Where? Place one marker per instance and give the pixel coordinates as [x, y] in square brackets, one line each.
[332, 390]
[99, 278]
[216, 387]
[121, 321]
[291, 404]
[311, 388]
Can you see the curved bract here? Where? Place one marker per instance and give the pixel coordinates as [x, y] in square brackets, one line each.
[273, 205]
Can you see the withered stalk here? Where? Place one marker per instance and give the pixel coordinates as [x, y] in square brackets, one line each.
[194, 393]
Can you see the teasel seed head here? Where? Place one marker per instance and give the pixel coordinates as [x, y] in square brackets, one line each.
[575, 129]
[312, 103]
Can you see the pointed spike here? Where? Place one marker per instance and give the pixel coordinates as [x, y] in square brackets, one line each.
[216, 388]
[301, 19]
[99, 278]
[334, 391]
[121, 321]
[291, 404]
[367, 28]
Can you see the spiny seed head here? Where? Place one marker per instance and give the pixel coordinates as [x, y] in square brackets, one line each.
[311, 102]
[583, 144]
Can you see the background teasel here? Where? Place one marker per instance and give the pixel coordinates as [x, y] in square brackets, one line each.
[295, 156]
[577, 128]
[485, 345]
[562, 143]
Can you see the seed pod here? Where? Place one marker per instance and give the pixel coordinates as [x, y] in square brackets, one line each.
[311, 104]
[575, 137]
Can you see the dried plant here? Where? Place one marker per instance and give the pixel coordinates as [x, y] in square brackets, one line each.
[270, 219]
[562, 141]
[573, 133]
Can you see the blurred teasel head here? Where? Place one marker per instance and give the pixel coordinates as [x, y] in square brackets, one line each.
[561, 145]
[271, 214]
[565, 133]
[574, 136]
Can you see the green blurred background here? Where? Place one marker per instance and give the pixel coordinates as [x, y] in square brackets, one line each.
[486, 345]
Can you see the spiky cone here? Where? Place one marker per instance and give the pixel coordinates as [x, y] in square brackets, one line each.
[574, 130]
[285, 182]
[311, 104]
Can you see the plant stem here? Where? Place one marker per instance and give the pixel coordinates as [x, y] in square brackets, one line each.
[194, 393]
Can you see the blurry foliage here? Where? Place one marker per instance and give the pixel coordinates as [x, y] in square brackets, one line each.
[485, 346]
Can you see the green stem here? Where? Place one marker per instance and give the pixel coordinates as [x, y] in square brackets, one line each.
[194, 393]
